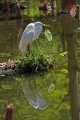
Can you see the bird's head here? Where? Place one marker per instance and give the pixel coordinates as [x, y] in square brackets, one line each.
[45, 26]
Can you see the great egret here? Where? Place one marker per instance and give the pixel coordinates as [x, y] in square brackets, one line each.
[31, 33]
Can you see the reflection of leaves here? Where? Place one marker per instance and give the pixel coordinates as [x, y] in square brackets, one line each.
[57, 93]
[48, 35]
[4, 55]
[64, 70]
[6, 87]
[63, 53]
[51, 88]
[61, 58]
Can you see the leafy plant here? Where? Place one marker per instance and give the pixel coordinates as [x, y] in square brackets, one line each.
[34, 64]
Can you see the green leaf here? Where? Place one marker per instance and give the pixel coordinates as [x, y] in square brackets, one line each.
[48, 35]
[63, 53]
[64, 70]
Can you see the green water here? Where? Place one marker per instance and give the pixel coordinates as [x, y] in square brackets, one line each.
[9, 37]
[11, 87]
[53, 86]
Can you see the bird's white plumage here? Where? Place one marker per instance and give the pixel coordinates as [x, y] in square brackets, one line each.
[24, 42]
[38, 29]
[31, 33]
[26, 37]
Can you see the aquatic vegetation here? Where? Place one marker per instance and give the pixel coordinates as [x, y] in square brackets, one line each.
[5, 56]
[34, 64]
[48, 35]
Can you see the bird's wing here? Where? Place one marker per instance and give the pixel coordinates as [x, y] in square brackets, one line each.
[26, 39]
[38, 29]
[29, 27]
[27, 32]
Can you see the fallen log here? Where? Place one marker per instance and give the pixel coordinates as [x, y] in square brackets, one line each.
[25, 65]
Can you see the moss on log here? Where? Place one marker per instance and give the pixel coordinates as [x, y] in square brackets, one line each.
[26, 65]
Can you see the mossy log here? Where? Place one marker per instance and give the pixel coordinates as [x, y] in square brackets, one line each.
[25, 66]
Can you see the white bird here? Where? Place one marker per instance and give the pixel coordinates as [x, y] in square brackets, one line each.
[30, 33]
